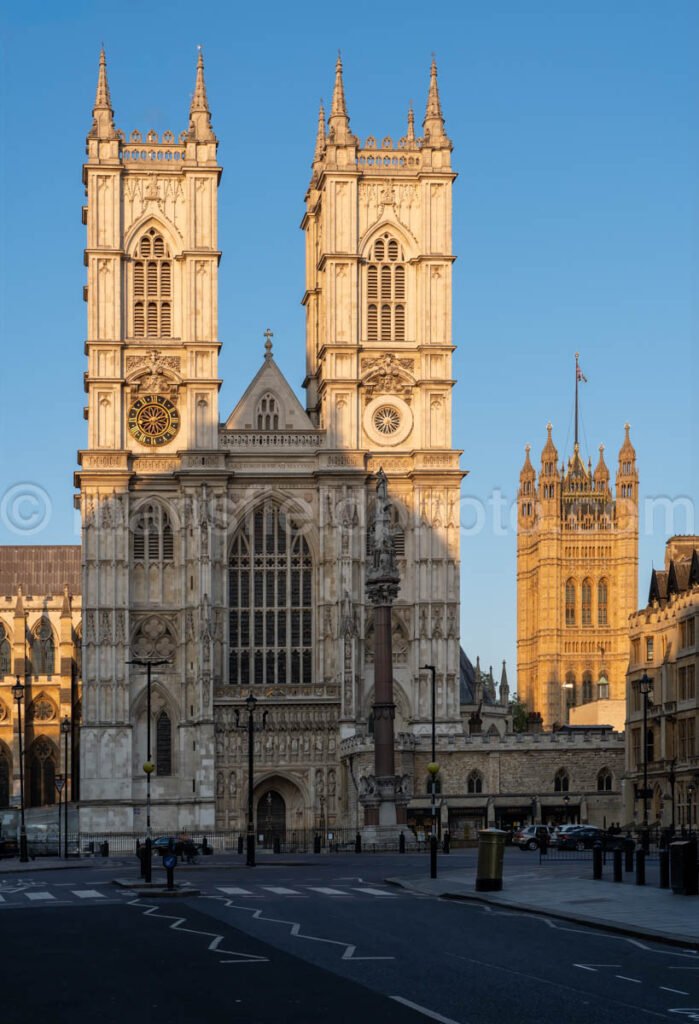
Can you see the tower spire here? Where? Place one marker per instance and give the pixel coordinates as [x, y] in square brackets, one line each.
[199, 114]
[410, 137]
[320, 135]
[102, 113]
[338, 121]
[433, 124]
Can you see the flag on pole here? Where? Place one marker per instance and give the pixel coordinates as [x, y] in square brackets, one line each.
[579, 375]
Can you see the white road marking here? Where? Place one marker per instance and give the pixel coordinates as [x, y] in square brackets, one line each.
[328, 892]
[216, 940]
[677, 991]
[375, 892]
[594, 967]
[89, 894]
[622, 977]
[279, 890]
[423, 1009]
[39, 896]
[231, 890]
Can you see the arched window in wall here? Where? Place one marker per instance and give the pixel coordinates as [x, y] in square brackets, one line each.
[570, 602]
[270, 592]
[267, 417]
[152, 288]
[42, 649]
[42, 774]
[602, 599]
[570, 692]
[163, 744]
[586, 593]
[152, 537]
[561, 782]
[385, 291]
[604, 780]
[5, 652]
[587, 687]
[474, 783]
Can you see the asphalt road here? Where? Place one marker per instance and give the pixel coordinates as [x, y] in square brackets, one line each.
[335, 944]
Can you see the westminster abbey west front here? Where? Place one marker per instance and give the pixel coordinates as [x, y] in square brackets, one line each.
[233, 549]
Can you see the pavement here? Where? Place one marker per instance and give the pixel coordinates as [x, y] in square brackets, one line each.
[643, 911]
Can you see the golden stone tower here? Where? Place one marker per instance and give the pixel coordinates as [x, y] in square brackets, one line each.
[577, 580]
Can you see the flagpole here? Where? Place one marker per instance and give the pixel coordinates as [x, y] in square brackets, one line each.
[577, 378]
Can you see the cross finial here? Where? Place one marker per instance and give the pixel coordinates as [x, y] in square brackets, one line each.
[268, 343]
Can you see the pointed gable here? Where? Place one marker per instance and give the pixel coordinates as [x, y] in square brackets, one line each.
[255, 411]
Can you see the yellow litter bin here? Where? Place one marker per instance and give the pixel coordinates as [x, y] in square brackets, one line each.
[491, 850]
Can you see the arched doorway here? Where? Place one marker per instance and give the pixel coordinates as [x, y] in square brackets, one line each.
[42, 774]
[271, 817]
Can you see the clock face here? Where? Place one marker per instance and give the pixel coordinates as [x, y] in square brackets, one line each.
[154, 420]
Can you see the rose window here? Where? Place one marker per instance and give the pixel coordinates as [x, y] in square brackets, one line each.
[386, 420]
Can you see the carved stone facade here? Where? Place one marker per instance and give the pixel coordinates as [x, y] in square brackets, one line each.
[236, 552]
[577, 584]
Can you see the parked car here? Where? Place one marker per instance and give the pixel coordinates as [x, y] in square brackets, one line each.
[563, 830]
[180, 846]
[530, 837]
[583, 837]
[9, 848]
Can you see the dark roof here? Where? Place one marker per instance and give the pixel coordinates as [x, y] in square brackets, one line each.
[678, 575]
[467, 681]
[658, 586]
[40, 569]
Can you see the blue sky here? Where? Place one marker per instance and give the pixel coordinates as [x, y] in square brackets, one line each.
[575, 130]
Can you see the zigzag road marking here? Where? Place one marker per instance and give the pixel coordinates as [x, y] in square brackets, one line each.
[295, 930]
[216, 940]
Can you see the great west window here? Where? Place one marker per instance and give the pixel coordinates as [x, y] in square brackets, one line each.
[270, 592]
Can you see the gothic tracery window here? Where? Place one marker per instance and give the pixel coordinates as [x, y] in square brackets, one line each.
[602, 597]
[152, 536]
[152, 288]
[270, 589]
[586, 592]
[5, 652]
[385, 291]
[163, 744]
[268, 413]
[42, 773]
[570, 602]
[474, 783]
[604, 780]
[587, 687]
[43, 649]
[561, 782]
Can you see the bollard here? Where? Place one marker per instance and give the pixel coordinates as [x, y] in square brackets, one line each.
[664, 865]
[629, 846]
[148, 860]
[240, 844]
[316, 844]
[433, 856]
[544, 844]
[358, 843]
[104, 848]
[491, 850]
[277, 847]
[445, 843]
[597, 861]
[640, 867]
[618, 876]
[401, 843]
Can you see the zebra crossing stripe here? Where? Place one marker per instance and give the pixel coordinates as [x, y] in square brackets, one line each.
[87, 894]
[279, 890]
[328, 892]
[231, 890]
[39, 896]
[375, 892]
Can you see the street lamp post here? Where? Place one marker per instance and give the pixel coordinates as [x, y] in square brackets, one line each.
[65, 729]
[566, 801]
[18, 694]
[250, 703]
[645, 685]
[433, 767]
[148, 766]
[59, 783]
